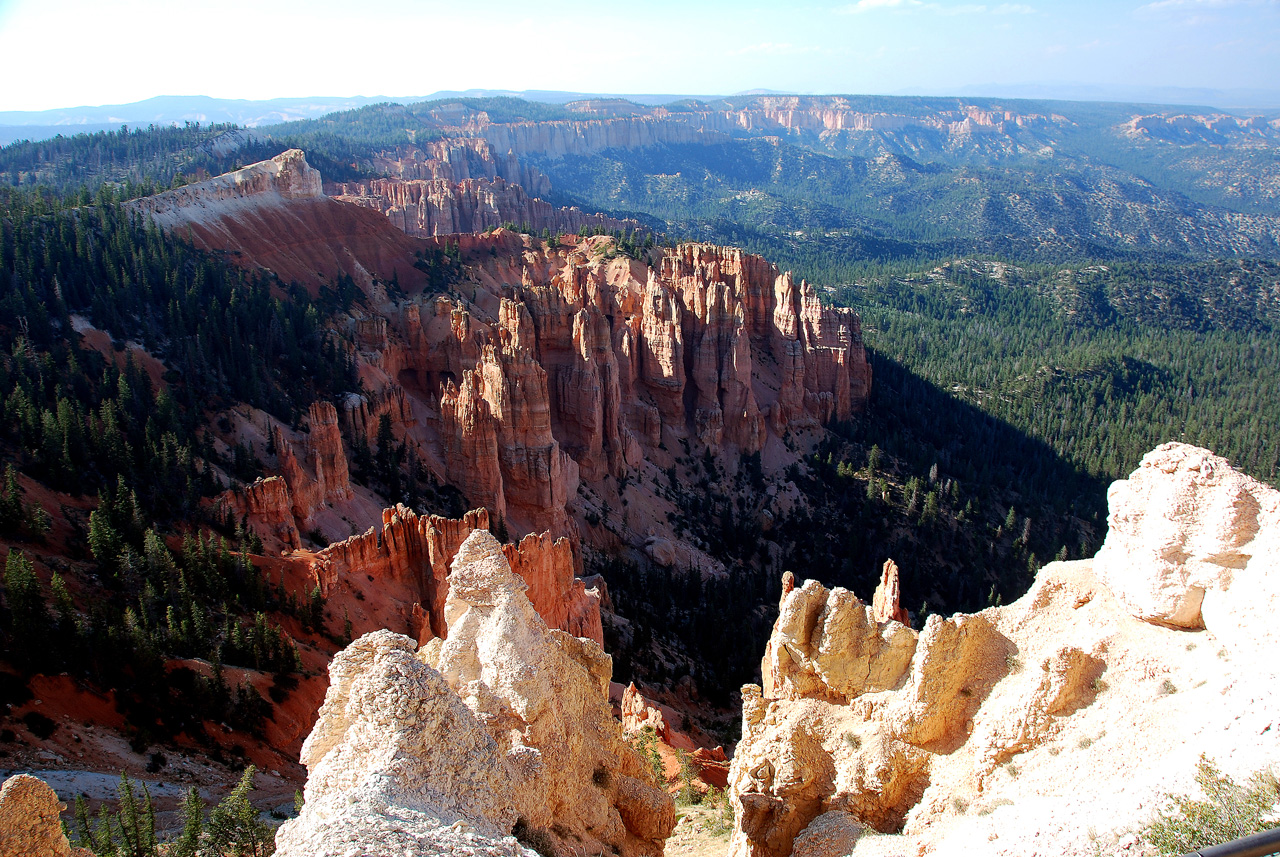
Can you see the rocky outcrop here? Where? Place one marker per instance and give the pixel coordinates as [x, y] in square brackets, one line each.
[321, 476]
[268, 506]
[397, 763]
[638, 715]
[312, 476]
[396, 577]
[287, 176]
[274, 216]
[427, 208]
[968, 737]
[560, 364]
[503, 726]
[569, 364]
[563, 601]
[884, 604]
[29, 820]
[1185, 529]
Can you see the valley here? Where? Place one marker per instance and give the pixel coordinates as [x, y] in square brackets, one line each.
[667, 360]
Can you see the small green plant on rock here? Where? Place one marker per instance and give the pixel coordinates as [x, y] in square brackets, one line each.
[1228, 811]
[646, 744]
[689, 792]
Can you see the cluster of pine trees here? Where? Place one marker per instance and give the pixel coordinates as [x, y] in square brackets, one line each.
[152, 572]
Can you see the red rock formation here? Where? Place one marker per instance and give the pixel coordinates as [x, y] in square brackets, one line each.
[322, 476]
[268, 507]
[562, 600]
[397, 577]
[405, 564]
[274, 215]
[561, 362]
[470, 440]
[712, 766]
[884, 604]
[363, 411]
[439, 206]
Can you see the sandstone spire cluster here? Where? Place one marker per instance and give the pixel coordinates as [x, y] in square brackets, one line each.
[972, 736]
[502, 727]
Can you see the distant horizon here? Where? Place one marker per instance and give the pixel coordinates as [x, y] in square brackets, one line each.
[319, 105]
[123, 52]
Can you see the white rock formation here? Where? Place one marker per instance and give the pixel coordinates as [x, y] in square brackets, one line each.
[503, 724]
[1054, 725]
[1188, 535]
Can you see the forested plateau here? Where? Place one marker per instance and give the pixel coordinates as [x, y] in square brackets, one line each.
[215, 379]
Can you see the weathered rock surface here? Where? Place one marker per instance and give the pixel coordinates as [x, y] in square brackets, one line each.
[884, 604]
[431, 207]
[594, 361]
[1184, 525]
[975, 735]
[446, 748]
[313, 475]
[397, 763]
[562, 600]
[548, 365]
[274, 215]
[29, 821]
[396, 577]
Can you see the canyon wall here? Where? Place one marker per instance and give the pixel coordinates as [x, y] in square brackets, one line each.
[396, 577]
[547, 368]
[427, 208]
[273, 216]
[578, 363]
[971, 735]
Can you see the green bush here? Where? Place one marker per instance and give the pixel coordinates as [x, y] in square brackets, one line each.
[1228, 811]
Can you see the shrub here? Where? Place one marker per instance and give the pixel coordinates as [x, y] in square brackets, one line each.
[1228, 811]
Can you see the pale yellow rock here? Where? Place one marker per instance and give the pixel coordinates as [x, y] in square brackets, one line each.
[29, 825]
[1054, 725]
[544, 697]
[444, 749]
[832, 834]
[1183, 524]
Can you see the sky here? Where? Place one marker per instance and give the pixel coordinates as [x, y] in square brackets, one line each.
[64, 53]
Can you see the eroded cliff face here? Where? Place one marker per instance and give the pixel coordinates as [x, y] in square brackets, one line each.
[562, 364]
[274, 216]
[449, 746]
[427, 208]
[547, 368]
[995, 733]
[396, 576]
[312, 476]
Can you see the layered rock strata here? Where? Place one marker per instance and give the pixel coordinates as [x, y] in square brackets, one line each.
[274, 216]
[431, 207]
[313, 475]
[578, 364]
[970, 736]
[396, 577]
[547, 365]
[503, 726]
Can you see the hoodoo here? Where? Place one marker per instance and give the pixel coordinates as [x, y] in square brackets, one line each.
[502, 727]
[977, 734]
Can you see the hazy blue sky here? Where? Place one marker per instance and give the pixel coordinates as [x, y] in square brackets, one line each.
[59, 53]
